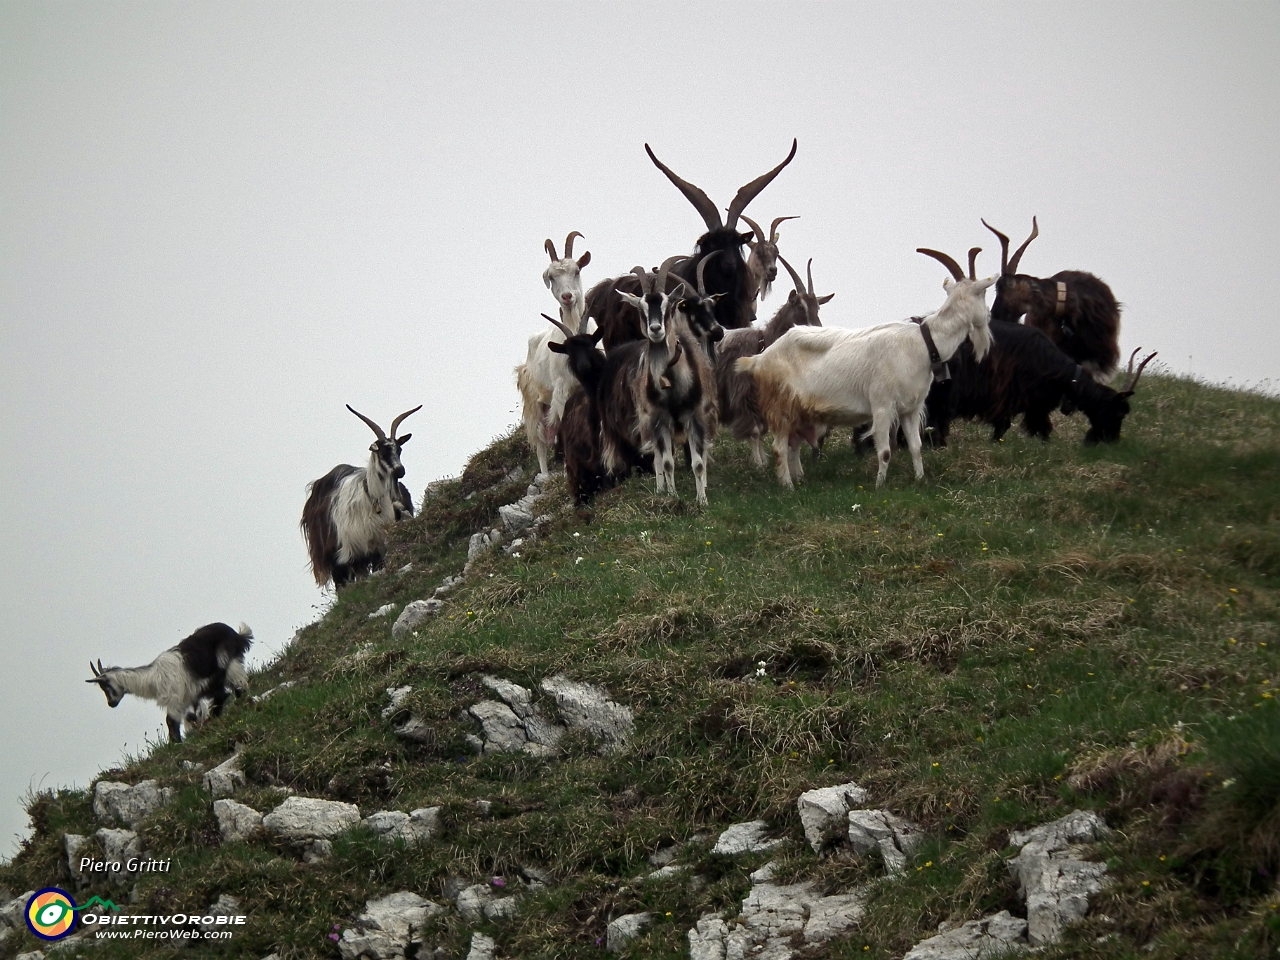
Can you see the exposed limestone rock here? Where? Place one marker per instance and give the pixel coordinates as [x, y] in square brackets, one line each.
[236, 821]
[73, 844]
[772, 918]
[413, 614]
[397, 695]
[896, 838]
[670, 870]
[483, 541]
[992, 936]
[472, 900]
[515, 724]
[586, 707]
[706, 940]
[413, 729]
[745, 838]
[308, 818]
[226, 778]
[119, 845]
[128, 805]
[13, 912]
[33, 955]
[317, 851]
[1055, 882]
[447, 586]
[388, 928]
[625, 929]
[267, 694]
[765, 873]
[482, 947]
[418, 826]
[824, 812]
[386, 608]
[225, 906]
[502, 908]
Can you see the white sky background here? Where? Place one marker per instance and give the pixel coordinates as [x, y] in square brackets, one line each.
[221, 222]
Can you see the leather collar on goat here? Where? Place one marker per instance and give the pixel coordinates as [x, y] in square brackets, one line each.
[377, 504]
[1061, 306]
[940, 371]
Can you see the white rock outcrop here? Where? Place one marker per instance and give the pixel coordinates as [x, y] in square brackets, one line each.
[515, 723]
[417, 826]
[226, 778]
[13, 912]
[472, 900]
[772, 919]
[397, 696]
[413, 614]
[1052, 877]
[119, 845]
[743, 838]
[388, 928]
[225, 906]
[482, 947]
[308, 818]
[128, 805]
[624, 929]
[895, 838]
[584, 706]
[824, 813]
[236, 821]
[74, 846]
[997, 935]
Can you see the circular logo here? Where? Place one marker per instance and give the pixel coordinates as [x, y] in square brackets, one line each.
[51, 913]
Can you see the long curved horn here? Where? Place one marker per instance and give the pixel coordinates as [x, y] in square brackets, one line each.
[396, 422]
[942, 258]
[1131, 378]
[702, 266]
[748, 192]
[667, 264]
[551, 250]
[1013, 261]
[811, 293]
[563, 329]
[701, 202]
[568, 243]
[372, 426]
[973, 260]
[795, 277]
[1004, 248]
[756, 227]
[1142, 366]
[773, 229]
[643, 276]
[96, 671]
[101, 668]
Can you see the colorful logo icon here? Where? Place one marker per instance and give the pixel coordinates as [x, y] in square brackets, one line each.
[51, 913]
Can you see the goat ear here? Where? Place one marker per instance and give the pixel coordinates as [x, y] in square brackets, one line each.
[403, 440]
[556, 347]
[546, 279]
[595, 337]
[826, 299]
[584, 259]
[747, 238]
[631, 299]
[713, 298]
[792, 297]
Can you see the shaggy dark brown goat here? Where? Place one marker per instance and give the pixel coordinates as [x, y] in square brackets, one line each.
[584, 472]
[1075, 310]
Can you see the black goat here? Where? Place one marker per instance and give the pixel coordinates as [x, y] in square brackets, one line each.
[1024, 373]
[1075, 310]
[209, 663]
[584, 472]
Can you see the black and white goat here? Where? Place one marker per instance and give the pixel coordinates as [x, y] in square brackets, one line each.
[816, 377]
[1075, 310]
[1024, 373]
[207, 664]
[584, 471]
[616, 319]
[543, 379]
[739, 402]
[762, 264]
[349, 510]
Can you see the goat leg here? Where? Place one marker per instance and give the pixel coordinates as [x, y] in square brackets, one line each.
[911, 432]
[881, 427]
[175, 729]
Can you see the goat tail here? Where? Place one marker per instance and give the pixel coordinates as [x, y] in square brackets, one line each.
[745, 364]
[245, 631]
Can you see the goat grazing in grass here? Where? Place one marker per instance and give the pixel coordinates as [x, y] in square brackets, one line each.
[1075, 310]
[349, 510]
[815, 377]
[762, 264]
[1024, 373]
[543, 379]
[584, 471]
[209, 663]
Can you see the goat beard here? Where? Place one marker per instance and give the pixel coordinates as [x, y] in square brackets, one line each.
[766, 287]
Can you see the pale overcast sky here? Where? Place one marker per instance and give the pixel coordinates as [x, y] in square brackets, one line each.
[221, 222]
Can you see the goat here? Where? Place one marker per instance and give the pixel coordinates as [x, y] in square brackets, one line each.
[739, 401]
[613, 313]
[1026, 374]
[349, 510]
[209, 663]
[543, 379]
[1075, 310]
[822, 376]
[762, 264]
[584, 471]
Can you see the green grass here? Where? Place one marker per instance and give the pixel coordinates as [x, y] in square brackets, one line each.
[1033, 628]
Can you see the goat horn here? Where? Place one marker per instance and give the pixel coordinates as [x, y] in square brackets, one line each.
[795, 277]
[1004, 247]
[1132, 384]
[662, 273]
[749, 192]
[372, 426]
[568, 243]
[561, 326]
[702, 266]
[973, 260]
[701, 202]
[1035, 232]
[551, 250]
[773, 229]
[756, 227]
[643, 276]
[396, 422]
[942, 258]
[94, 670]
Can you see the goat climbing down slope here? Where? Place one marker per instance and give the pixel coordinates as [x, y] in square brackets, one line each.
[349, 510]
[209, 663]
[826, 376]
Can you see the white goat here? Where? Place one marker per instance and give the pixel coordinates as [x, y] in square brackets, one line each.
[815, 377]
[544, 379]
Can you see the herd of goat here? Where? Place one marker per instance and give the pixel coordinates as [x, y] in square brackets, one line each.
[675, 354]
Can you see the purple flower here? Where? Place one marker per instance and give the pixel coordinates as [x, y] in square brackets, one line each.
[499, 882]
[333, 937]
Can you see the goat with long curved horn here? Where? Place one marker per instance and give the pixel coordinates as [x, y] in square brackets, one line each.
[372, 426]
[973, 261]
[946, 261]
[397, 421]
[1017, 254]
[1131, 378]
[749, 192]
[568, 243]
[701, 202]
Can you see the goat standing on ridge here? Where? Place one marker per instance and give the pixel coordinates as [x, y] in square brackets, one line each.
[762, 264]
[816, 377]
[1075, 310]
[543, 379]
[349, 510]
[209, 663]
[584, 472]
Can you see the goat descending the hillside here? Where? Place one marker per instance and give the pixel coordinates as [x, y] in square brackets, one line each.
[739, 400]
[544, 380]
[349, 510]
[762, 264]
[209, 663]
[1075, 310]
[815, 377]
[584, 471]
[1024, 373]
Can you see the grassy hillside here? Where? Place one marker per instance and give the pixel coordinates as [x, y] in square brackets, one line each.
[1033, 628]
